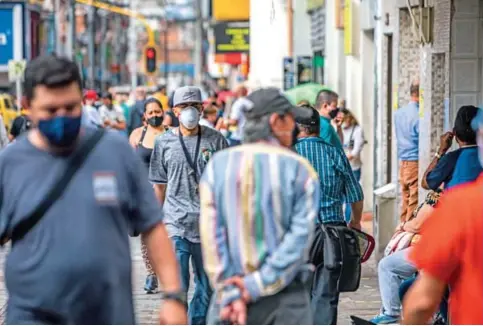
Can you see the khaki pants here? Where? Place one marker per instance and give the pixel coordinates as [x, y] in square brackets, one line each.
[408, 179]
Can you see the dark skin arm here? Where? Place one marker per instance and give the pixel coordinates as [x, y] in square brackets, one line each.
[445, 143]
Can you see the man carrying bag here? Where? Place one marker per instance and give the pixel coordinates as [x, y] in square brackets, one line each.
[335, 251]
[73, 197]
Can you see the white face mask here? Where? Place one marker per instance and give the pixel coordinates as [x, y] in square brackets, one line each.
[189, 117]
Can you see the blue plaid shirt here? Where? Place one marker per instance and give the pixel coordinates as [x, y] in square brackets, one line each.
[337, 182]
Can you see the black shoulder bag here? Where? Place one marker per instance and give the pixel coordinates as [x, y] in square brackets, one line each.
[337, 248]
[75, 162]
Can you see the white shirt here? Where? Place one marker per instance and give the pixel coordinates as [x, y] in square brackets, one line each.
[91, 117]
[357, 136]
[237, 114]
[206, 123]
[3, 134]
[114, 115]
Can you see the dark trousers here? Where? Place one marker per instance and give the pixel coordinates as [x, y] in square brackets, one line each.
[325, 293]
[291, 306]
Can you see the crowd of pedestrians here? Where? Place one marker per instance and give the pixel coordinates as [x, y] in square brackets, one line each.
[261, 197]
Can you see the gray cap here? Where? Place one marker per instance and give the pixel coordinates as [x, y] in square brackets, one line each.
[266, 101]
[187, 94]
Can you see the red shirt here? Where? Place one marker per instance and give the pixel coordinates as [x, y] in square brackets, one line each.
[451, 250]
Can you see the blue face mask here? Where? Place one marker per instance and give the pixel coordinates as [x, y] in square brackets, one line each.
[61, 131]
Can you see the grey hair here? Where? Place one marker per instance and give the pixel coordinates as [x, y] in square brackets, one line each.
[259, 129]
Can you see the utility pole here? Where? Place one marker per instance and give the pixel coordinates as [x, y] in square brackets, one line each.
[58, 39]
[133, 51]
[103, 51]
[72, 30]
[166, 51]
[91, 48]
[198, 52]
[290, 27]
[117, 49]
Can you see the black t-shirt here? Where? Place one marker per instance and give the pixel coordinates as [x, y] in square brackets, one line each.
[20, 125]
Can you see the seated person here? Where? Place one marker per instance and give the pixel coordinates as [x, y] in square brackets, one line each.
[395, 268]
[450, 170]
[461, 165]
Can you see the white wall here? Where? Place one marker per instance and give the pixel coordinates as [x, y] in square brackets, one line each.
[352, 77]
[301, 29]
[268, 43]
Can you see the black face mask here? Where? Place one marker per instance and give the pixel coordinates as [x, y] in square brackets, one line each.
[155, 121]
[295, 134]
[333, 113]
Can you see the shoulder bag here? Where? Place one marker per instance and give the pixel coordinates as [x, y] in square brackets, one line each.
[75, 162]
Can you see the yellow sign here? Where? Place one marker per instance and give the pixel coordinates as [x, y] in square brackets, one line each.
[395, 98]
[230, 10]
[421, 102]
[348, 44]
[232, 37]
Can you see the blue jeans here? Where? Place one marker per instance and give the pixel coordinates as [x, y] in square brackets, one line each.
[348, 208]
[199, 304]
[392, 271]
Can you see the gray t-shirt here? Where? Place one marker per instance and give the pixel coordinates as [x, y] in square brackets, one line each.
[75, 264]
[169, 166]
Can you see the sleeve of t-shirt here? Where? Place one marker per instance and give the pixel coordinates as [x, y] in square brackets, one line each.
[146, 210]
[442, 171]
[16, 126]
[158, 172]
[442, 240]
[236, 110]
[119, 114]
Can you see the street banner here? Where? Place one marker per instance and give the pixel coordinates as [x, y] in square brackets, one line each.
[232, 37]
[288, 73]
[304, 70]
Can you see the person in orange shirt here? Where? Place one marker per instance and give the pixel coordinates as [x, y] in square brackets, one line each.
[450, 252]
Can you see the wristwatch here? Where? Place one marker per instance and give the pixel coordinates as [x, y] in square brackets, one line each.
[179, 297]
[437, 155]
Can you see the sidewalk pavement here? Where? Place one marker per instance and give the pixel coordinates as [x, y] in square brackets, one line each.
[364, 303]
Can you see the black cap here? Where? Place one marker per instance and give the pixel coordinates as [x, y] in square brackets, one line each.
[266, 101]
[313, 120]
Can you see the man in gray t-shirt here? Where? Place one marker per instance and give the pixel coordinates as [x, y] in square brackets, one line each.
[74, 265]
[177, 162]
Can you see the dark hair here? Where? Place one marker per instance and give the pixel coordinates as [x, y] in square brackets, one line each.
[152, 100]
[107, 95]
[161, 88]
[52, 72]
[414, 89]
[310, 129]
[325, 96]
[462, 124]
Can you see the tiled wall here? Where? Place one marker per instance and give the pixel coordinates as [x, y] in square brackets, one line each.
[409, 56]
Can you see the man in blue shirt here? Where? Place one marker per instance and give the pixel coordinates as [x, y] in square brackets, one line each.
[406, 122]
[326, 105]
[338, 186]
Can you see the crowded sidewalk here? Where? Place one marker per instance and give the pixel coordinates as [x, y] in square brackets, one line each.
[364, 303]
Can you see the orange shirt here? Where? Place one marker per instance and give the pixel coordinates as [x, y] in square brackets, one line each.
[451, 250]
